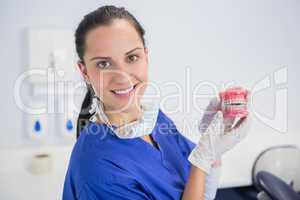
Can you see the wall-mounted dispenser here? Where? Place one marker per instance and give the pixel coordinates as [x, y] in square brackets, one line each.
[66, 127]
[37, 126]
[51, 49]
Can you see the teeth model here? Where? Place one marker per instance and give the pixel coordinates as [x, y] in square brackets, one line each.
[234, 102]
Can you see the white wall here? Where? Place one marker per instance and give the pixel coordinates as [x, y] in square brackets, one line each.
[219, 41]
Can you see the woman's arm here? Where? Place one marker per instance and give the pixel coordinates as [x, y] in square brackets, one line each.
[194, 189]
[211, 181]
[201, 185]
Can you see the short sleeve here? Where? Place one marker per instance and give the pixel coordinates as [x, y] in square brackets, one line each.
[185, 144]
[121, 190]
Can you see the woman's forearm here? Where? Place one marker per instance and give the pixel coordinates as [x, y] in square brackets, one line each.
[194, 189]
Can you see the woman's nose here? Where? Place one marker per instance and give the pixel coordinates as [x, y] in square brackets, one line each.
[122, 67]
[122, 75]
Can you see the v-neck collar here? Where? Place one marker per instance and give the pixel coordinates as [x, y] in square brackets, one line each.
[159, 154]
[150, 145]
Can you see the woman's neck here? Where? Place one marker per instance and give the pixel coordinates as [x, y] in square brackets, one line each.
[124, 117]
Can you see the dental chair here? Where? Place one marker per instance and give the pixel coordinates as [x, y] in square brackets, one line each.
[276, 173]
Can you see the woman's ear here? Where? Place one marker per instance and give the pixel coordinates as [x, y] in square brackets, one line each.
[83, 70]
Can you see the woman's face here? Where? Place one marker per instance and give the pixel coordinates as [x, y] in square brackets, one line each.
[116, 64]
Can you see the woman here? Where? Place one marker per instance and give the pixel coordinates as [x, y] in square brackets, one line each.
[127, 149]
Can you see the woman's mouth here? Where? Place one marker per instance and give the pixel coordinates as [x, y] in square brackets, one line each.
[124, 93]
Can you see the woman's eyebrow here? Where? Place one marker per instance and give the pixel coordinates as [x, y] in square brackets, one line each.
[105, 57]
[133, 50]
[100, 57]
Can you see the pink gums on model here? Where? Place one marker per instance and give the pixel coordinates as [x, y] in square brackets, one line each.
[234, 102]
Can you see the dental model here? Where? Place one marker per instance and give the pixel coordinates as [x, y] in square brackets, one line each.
[234, 104]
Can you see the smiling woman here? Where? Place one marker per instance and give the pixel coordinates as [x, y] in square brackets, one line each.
[115, 63]
[129, 150]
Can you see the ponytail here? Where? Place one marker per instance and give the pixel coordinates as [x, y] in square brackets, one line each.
[84, 115]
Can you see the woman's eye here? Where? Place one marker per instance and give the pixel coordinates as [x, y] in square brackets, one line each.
[103, 64]
[133, 58]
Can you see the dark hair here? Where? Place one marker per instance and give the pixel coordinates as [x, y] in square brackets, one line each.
[102, 16]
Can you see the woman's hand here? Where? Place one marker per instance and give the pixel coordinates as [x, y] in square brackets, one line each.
[218, 136]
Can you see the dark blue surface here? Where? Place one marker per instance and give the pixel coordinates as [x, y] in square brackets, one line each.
[239, 193]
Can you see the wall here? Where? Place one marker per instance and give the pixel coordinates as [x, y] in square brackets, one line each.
[189, 42]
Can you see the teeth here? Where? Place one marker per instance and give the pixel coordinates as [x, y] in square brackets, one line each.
[123, 91]
[235, 102]
[235, 107]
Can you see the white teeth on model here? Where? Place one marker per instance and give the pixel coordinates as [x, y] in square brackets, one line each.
[235, 106]
[123, 91]
[236, 102]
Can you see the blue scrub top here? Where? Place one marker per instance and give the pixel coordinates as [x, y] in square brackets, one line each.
[103, 166]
